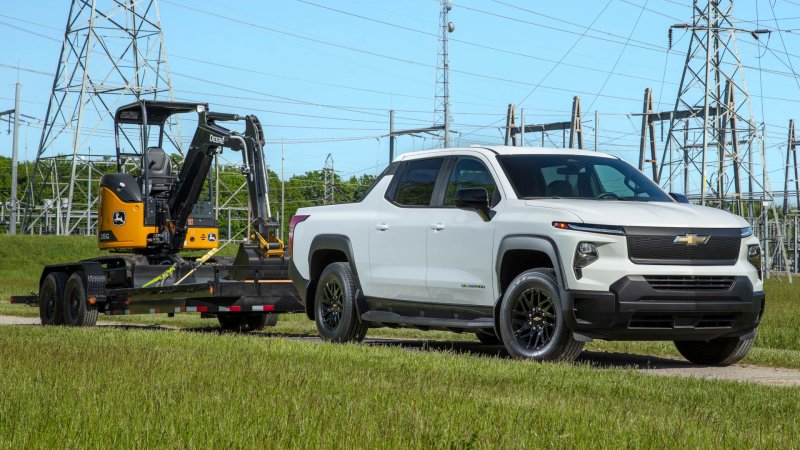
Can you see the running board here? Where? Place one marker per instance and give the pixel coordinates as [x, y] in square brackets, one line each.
[386, 317]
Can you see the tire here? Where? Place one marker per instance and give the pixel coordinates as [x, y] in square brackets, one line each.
[77, 310]
[335, 305]
[532, 325]
[488, 338]
[257, 322]
[231, 322]
[716, 352]
[242, 322]
[51, 293]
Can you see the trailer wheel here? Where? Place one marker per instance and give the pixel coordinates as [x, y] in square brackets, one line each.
[77, 310]
[50, 294]
[257, 322]
[246, 322]
[335, 305]
[231, 322]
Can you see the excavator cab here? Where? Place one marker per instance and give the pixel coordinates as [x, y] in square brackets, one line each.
[133, 212]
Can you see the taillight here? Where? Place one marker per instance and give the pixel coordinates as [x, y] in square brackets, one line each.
[293, 223]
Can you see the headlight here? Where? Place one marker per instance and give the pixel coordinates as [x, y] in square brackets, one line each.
[585, 254]
[754, 257]
[746, 232]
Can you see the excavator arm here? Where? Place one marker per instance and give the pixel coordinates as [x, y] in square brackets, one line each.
[208, 141]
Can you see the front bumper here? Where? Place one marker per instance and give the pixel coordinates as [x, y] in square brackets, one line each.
[633, 310]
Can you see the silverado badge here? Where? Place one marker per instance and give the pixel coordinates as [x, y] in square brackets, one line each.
[691, 239]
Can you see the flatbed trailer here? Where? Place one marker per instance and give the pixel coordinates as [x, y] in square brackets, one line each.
[78, 292]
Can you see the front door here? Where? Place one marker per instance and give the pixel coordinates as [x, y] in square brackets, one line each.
[461, 242]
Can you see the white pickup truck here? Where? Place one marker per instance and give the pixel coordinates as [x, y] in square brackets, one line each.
[539, 249]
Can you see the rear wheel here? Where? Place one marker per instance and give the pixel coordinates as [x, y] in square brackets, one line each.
[716, 352]
[77, 310]
[335, 305]
[51, 293]
[532, 325]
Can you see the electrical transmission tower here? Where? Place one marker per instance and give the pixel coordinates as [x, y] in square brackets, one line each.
[713, 136]
[329, 178]
[112, 54]
[712, 125]
[442, 109]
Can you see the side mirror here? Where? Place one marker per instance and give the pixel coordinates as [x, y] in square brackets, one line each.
[476, 198]
[680, 198]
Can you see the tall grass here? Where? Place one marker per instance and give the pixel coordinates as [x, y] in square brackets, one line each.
[100, 388]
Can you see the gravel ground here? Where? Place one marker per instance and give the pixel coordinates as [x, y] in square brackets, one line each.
[646, 364]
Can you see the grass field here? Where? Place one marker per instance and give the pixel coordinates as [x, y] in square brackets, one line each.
[108, 387]
[99, 387]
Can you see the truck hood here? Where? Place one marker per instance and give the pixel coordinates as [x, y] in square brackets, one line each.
[643, 214]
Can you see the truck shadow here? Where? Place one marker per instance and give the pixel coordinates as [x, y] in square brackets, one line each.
[600, 360]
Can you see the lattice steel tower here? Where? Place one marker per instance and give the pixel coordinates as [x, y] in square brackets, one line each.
[441, 111]
[112, 54]
[712, 135]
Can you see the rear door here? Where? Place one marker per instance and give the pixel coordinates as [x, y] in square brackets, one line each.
[398, 238]
[460, 242]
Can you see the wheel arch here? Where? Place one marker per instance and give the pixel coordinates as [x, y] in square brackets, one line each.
[324, 250]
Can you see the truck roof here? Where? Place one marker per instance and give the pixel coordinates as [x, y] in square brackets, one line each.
[502, 150]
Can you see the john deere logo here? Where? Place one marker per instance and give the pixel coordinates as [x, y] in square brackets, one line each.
[118, 218]
[691, 239]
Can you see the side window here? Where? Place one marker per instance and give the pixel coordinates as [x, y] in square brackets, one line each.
[415, 187]
[469, 173]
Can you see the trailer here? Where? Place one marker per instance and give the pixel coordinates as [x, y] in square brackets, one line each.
[150, 214]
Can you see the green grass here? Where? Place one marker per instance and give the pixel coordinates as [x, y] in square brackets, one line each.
[22, 257]
[100, 388]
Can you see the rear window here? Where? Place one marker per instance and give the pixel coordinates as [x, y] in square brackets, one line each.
[415, 187]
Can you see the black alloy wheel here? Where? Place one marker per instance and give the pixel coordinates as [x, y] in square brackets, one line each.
[533, 319]
[331, 303]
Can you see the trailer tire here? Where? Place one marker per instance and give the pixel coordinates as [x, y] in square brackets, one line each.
[335, 312]
[50, 294]
[231, 322]
[77, 310]
[257, 322]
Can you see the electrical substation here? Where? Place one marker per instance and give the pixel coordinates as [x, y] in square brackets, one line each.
[709, 145]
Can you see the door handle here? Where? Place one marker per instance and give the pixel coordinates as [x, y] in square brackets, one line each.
[382, 226]
[437, 226]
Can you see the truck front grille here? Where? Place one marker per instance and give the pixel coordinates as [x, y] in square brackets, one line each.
[689, 282]
[658, 246]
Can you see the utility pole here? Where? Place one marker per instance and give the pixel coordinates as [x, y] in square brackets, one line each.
[391, 136]
[283, 186]
[442, 111]
[12, 227]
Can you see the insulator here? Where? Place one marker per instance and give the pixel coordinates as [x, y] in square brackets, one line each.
[669, 39]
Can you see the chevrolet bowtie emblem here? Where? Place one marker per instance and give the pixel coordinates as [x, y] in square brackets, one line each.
[691, 239]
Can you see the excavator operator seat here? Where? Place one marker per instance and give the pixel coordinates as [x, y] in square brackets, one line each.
[159, 170]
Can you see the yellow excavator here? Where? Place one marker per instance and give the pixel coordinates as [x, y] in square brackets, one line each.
[148, 216]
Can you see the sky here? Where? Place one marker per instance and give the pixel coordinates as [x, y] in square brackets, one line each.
[322, 75]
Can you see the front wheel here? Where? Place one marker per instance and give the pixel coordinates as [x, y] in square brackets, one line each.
[716, 352]
[335, 312]
[532, 324]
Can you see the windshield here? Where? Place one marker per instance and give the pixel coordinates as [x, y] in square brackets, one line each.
[579, 176]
